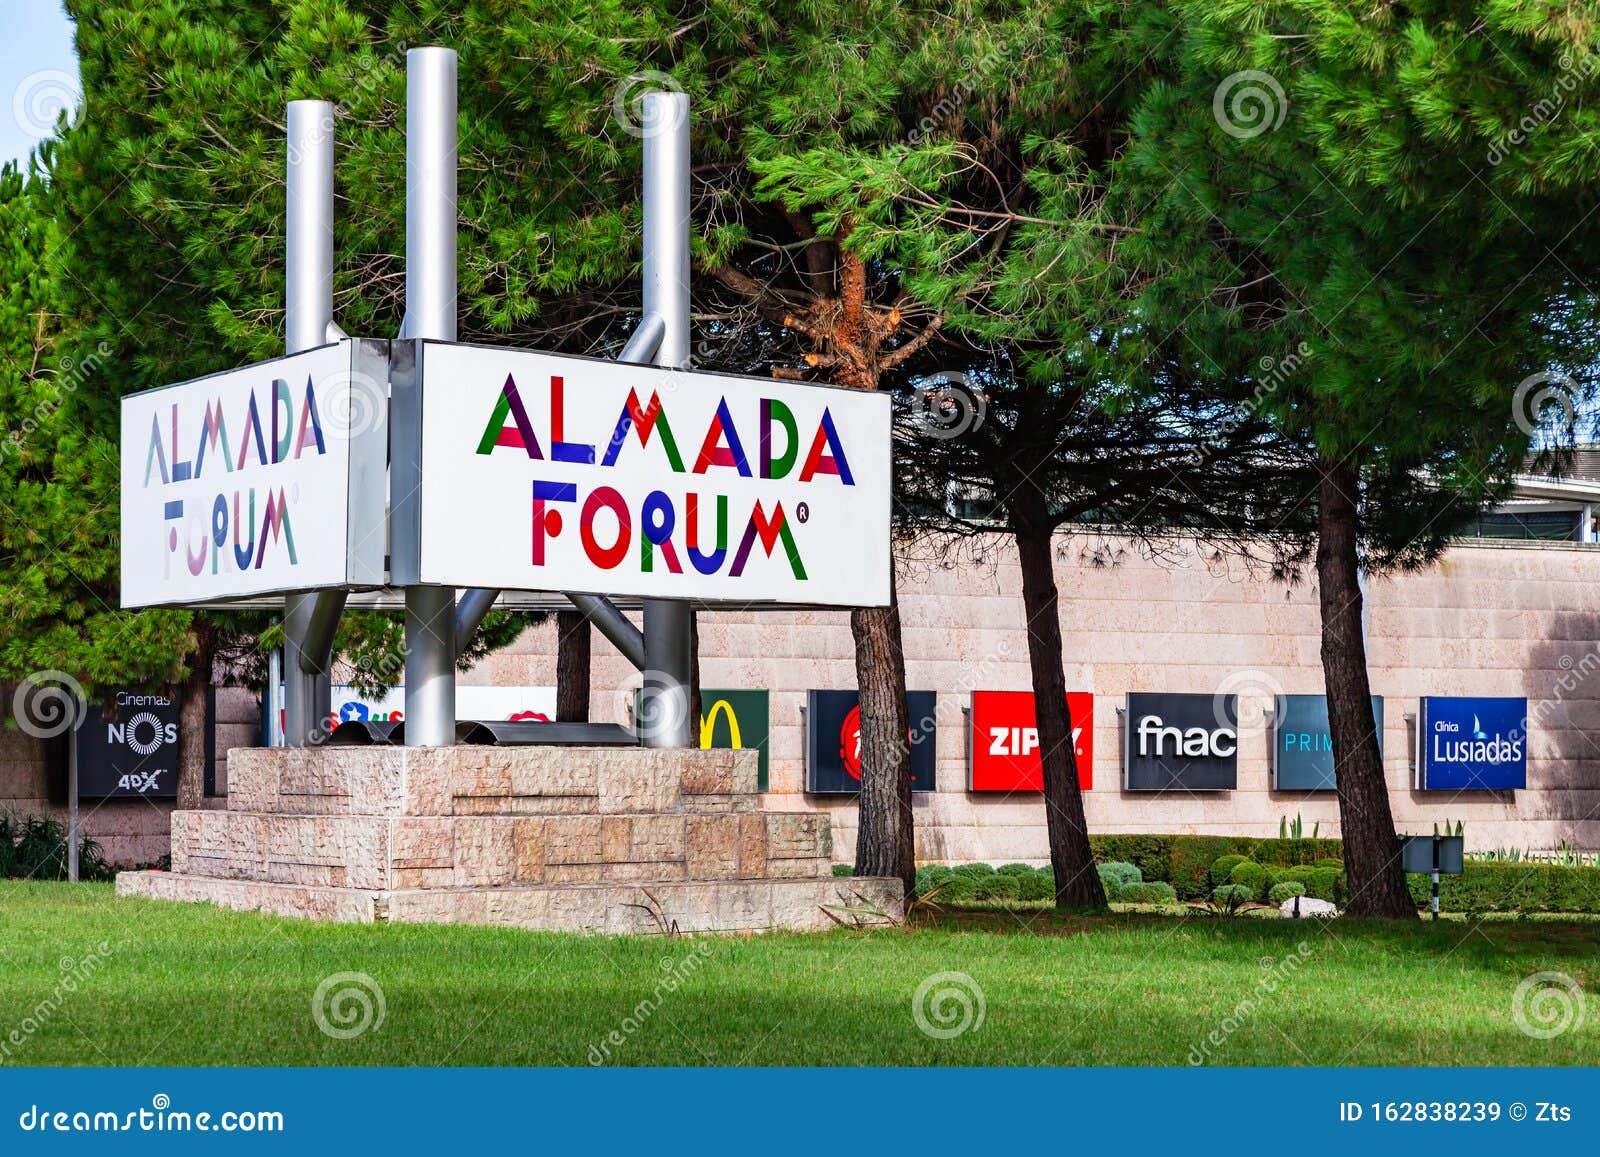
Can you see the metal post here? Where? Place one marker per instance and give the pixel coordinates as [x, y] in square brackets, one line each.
[1434, 904]
[73, 837]
[668, 624]
[308, 296]
[430, 313]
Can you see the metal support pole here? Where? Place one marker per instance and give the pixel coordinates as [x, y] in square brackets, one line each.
[430, 313]
[668, 624]
[473, 608]
[614, 625]
[73, 836]
[308, 297]
[1434, 903]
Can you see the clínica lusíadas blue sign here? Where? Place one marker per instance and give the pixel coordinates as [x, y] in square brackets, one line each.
[1472, 744]
[1302, 743]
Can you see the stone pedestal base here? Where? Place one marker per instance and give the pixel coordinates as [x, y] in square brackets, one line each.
[616, 840]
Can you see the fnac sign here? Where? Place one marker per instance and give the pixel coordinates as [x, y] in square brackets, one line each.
[1005, 752]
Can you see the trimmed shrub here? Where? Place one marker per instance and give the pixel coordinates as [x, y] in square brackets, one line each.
[932, 876]
[1110, 881]
[997, 887]
[1287, 890]
[1039, 884]
[1495, 886]
[1125, 872]
[843, 870]
[1242, 893]
[1186, 862]
[1156, 892]
[1301, 875]
[1251, 875]
[1018, 870]
[1152, 855]
[1331, 862]
[1327, 884]
[1222, 869]
[974, 871]
[958, 887]
[1191, 860]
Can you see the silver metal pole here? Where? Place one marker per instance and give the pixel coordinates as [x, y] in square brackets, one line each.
[274, 733]
[471, 610]
[668, 624]
[614, 625]
[431, 313]
[308, 297]
[72, 804]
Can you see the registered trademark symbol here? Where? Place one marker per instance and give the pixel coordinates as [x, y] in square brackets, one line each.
[802, 512]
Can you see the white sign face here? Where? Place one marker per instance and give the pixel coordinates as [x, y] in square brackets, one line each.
[550, 473]
[256, 480]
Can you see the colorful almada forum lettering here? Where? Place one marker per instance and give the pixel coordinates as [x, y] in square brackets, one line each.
[543, 472]
[236, 483]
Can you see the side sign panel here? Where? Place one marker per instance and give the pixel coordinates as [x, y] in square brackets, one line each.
[833, 741]
[1005, 741]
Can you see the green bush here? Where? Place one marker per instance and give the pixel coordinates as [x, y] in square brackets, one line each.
[1039, 884]
[1331, 862]
[1186, 862]
[1018, 870]
[1191, 857]
[1125, 872]
[1301, 875]
[843, 870]
[1222, 869]
[997, 887]
[974, 871]
[1501, 886]
[1287, 890]
[36, 849]
[1152, 855]
[1110, 881]
[1327, 884]
[959, 886]
[1241, 893]
[931, 876]
[1250, 875]
[1291, 853]
[1156, 892]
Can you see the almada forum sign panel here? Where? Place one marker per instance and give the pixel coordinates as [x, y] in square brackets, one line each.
[262, 479]
[545, 472]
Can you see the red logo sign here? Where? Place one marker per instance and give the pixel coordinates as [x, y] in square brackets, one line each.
[850, 742]
[1005, 740]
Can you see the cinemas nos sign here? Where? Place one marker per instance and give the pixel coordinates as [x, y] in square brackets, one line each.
[1180, 742]
[1468, 744]
[130, 753]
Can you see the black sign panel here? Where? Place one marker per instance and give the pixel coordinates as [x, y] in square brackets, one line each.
[833, 741]
[133, 753]
[1185, 742]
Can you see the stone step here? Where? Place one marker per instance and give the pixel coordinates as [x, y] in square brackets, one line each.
[654, 908]
[463, 780]
[478, 851]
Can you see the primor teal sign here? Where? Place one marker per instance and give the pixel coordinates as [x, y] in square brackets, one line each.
[1302, 743]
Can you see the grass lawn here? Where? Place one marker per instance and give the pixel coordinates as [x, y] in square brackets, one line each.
[189, 985]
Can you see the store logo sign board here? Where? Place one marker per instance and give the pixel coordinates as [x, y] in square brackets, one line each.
[269, 478]
[516, 704]
[1472, 744]
[833, 741]
[133, 753]
[734, 719]
[1005, 741]
[1302, 743]
[542, 472]
[1180, 742]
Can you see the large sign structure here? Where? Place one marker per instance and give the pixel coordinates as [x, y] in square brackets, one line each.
[268, 478]
[541, 472]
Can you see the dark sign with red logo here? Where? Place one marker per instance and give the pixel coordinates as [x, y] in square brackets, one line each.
[833, 741]
[1005, 740]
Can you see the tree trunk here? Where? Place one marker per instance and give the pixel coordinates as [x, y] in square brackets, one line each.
[1072, 860]
[885, 838]
[1371, 855]
[192, 696]
[572, 667]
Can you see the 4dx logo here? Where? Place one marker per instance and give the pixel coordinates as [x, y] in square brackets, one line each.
[140, 781]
